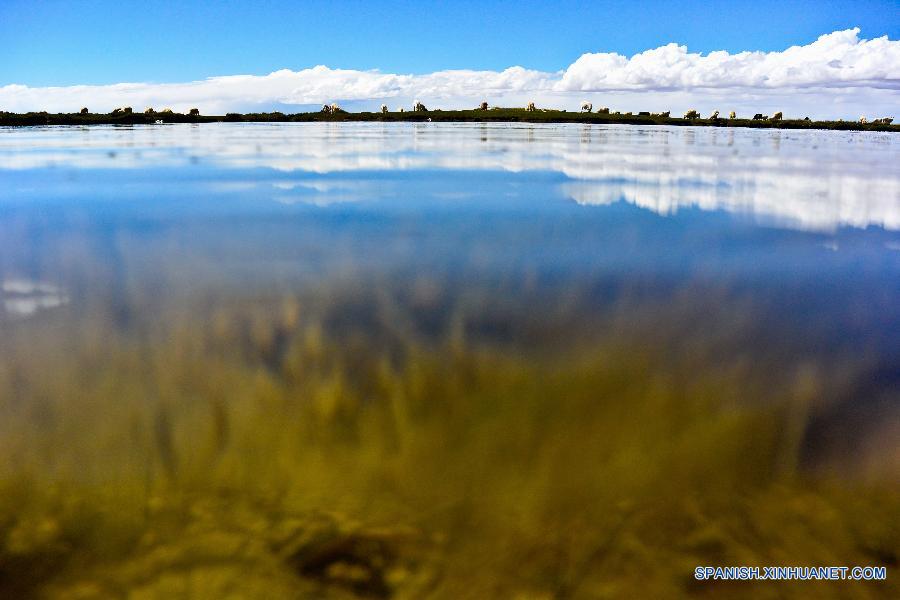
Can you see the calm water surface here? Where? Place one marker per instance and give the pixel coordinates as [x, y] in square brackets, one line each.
[801, 227]
[750, 267]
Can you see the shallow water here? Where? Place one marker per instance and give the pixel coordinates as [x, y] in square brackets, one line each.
[174, 266]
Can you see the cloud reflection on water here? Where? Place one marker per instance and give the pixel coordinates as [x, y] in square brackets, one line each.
[812, 180]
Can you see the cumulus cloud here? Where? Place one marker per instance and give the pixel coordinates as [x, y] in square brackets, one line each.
[838, 75]
[839, 59]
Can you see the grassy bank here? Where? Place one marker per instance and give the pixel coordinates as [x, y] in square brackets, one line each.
[492, 115]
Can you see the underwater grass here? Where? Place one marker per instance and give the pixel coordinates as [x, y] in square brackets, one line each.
[382, 439]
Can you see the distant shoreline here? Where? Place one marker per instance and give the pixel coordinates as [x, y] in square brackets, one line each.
[496, 115]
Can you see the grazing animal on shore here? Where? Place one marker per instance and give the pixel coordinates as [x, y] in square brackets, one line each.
[325, 108]
[84, 111]
[732, 115]
[586, 107]
[603, 110]
[483, 106]
[714, 115]
[692, 114]
[402, 109]
[149, 110]
[194, 112]
[759, 117]
[419, 107]
[886, 120]
[643, 113]
[777, 116]
[863, 120]
[335, 108]
[530, 107]
[384, 108]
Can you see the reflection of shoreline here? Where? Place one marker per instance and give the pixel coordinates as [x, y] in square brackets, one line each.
[804, 179]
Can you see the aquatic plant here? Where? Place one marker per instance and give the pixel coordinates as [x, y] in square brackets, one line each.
[390, 437]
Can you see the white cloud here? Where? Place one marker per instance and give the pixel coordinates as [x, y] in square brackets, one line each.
[838, 75]
[838, 59]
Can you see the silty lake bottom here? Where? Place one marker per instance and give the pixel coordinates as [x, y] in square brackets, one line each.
[446, 360]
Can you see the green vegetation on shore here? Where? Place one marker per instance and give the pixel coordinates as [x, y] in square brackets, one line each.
[121, 117]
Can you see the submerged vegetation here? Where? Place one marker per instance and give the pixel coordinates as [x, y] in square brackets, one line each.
[420, 113]
[395, 439]
[236, 379]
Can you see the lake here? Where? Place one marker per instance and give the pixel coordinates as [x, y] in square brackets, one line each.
[445, 360]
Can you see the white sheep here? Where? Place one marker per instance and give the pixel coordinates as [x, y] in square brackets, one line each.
[732, 115]
[530, 107]
[777, 116]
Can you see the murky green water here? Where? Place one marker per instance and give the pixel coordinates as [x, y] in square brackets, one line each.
[484, 360]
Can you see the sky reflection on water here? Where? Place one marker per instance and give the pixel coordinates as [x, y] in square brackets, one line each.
[810, 180]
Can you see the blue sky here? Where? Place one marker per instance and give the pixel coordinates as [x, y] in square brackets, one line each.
[54, 42]
[820, 58]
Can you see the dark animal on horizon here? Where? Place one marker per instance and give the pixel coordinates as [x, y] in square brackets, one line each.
[419, 107]
[692, 114]
[603, 111]
[84, 111]
[777, 116]
[483, 106]
[643, 114]
[759, 117]
[194, 112]
[586, 107]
